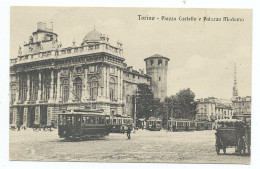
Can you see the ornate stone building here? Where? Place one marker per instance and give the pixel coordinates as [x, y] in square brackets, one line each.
[46, 78]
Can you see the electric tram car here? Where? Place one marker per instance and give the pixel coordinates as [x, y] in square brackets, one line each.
[82, 124]
[119, 124]
[154, 124]
[181, 125]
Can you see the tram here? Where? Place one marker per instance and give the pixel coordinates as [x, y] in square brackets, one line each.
[154, 124]
[181, 125]
[82, 124]
[119, 124]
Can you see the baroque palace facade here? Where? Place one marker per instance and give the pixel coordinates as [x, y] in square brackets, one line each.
[46, 78]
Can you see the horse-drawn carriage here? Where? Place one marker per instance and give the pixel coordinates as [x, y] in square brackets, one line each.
[232, 133]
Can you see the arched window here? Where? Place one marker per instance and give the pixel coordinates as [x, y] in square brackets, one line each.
[112, 89]
[65, 90]
[77, 87]
[93, 85]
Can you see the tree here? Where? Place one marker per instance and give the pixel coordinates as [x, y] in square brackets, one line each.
[187, 105]
[181, 105]
[144, 101]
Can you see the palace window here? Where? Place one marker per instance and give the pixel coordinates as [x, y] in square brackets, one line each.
[65, 90]
[93, 84]
[77, 86]
[112, 70]
[46, 86]
[13, 94]
[112, 89]
[93, 68]
[34, 86]
[23, 88]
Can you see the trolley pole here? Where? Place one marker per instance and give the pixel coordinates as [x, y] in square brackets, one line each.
[135, 114]
[167, 118]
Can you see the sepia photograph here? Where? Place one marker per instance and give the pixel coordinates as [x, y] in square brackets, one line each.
[130, 85]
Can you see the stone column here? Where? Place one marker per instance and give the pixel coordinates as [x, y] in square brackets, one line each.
[37, 115]
[58, 87]
[28, 87]
[107, 77]
[49, 115]
[86, 84]
[121, 81]
[40, 87]
[15, 116]
[118, 84]
[25, 117]
[71, 95]
[104, 82]
[17, 90]
[52, 86]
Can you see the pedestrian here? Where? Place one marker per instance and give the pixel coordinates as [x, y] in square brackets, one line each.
[18, 126]
[128, 132]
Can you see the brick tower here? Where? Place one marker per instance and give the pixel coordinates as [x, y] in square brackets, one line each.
[156, 67]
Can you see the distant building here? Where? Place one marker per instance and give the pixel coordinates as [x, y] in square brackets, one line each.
[210, 109]
[156, 68]
[46, 78]
[242, 105]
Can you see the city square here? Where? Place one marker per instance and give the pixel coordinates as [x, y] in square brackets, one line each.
[144, 146]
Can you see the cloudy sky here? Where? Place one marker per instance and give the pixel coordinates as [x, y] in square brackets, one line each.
[202, 54]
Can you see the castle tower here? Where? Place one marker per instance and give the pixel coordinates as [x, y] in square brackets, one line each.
[235, 90]
[156, 67]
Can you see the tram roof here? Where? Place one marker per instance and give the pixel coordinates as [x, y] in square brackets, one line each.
[229, 121]
[82, 113]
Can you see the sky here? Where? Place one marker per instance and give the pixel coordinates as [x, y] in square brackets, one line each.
[202, 54]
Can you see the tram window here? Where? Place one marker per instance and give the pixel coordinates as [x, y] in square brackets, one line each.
[83, 119]
[68, 119]
[100, 120]
[73, 119]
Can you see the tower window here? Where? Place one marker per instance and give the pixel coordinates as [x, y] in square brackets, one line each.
[159, 78]
[151, 62]
[159, 62]
[166, 63]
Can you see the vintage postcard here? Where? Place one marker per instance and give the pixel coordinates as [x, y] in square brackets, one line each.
[156, 85]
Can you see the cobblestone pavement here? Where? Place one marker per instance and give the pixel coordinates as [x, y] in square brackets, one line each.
[144, 146]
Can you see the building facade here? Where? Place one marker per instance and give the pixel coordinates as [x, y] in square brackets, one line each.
[156, 67]
[242, 105]
[211, 109]
[46, 78]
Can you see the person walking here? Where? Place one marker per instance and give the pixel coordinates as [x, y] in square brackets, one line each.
[18, 126]
[128, 132]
